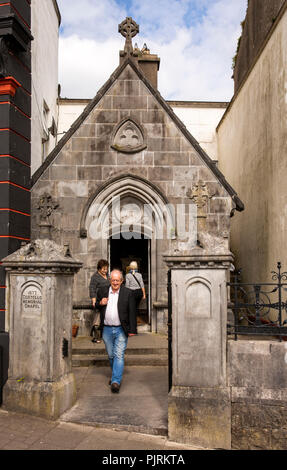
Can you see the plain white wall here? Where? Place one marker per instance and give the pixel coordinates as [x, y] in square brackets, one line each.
[45, 30]
[200, 119]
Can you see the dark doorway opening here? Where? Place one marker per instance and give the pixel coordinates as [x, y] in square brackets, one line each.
[125, 248]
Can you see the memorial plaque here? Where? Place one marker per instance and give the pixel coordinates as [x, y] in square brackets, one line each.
[32, 300]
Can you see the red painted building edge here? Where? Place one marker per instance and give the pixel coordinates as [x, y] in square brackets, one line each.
[17, 159]
[13, 93]
[15, 132]
[10, 4]
[16, 185]
[15, 211]
[8, 86]
[21, 63]
[16, 107]
[15, 237]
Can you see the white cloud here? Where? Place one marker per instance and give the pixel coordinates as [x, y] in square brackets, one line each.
[97, 19]
[85, 65]
[195, 47]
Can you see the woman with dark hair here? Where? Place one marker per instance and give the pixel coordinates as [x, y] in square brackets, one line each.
[98, 280]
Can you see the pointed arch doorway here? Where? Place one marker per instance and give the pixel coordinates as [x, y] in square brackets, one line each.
[132, 246]
[130, 205]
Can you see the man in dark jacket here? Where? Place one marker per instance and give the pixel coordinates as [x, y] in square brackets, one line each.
[116, 304]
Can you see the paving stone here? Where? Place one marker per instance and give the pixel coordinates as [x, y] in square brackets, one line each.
[156, 440]
[136, 445]
[4, 439]
[169, 445]
[43, 446]
[15, 445]
[145, 390]
[135, 419]
[98, 444]
[103, 439]
[109, 434]
[64, 436]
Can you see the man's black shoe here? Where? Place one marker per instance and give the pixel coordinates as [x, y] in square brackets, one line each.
[115, 388]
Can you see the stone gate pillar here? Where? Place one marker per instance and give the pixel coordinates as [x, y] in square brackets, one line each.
[39, 320]
[199, 409]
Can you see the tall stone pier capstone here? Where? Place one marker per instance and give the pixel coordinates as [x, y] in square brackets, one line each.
[199, 408]
[39, 321]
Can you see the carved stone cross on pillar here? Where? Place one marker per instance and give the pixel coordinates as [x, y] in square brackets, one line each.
[200, 196]
[46, 206]
[129, 29]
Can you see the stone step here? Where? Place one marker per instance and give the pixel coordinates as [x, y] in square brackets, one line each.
[143, 349]
[101, 360]
[96, 350]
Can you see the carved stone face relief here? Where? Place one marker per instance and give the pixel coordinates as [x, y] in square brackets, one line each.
[128, 137]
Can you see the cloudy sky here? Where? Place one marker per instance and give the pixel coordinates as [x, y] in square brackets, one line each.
[195, 40]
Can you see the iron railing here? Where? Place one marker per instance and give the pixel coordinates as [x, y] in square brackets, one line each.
[259, 309]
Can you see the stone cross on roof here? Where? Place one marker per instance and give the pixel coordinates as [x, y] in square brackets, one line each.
[129, 29]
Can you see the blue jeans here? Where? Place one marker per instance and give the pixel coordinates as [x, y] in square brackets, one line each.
[116, 342]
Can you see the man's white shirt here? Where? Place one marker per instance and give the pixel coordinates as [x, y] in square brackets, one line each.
[112, 315]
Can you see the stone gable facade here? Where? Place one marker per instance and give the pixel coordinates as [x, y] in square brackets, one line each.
[129, 143]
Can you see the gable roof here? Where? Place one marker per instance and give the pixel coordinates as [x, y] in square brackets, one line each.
[75, 126]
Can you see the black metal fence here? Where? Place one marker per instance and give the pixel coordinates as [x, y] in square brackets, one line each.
[259, 309]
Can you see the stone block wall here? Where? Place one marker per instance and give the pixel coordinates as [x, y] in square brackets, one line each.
[86, 162]
[257, 372]
[260, 18]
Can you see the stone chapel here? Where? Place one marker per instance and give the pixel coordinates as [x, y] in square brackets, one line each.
[127, 182]
[128, 151]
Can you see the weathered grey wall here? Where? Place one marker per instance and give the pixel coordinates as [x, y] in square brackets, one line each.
[258, 380]
[260, 17]
[252, 139]
[87, 162]
[199, 405]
